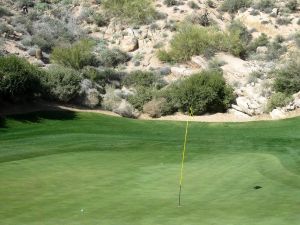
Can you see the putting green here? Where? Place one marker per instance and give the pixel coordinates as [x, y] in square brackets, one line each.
[87, 169]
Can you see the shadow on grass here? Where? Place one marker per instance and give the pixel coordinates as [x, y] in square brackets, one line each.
[2, 122]
[37, 117]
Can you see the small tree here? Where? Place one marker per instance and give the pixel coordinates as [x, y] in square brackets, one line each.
[19, 80]
[287, 79]
[204, 92]
[61, 84]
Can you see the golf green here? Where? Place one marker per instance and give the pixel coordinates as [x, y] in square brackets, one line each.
[65, 168]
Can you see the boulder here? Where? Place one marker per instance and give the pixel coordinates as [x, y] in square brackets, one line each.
[129, 44]
[243, 104]
[125, 109]
[164, 71]
[249, 106]
[278, 114]
[182, 71]
[200, 62]
[239, 114]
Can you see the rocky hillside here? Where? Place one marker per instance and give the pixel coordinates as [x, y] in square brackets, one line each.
[254, 45]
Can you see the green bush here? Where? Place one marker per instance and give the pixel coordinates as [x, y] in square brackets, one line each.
[264, 5]
[102, 77]
[29, 3]
[135, 11]
[204, 92]
[283, 20]
[76, 56]
[4, 12]
[233, 6]
[61, 84]
[113, 57]
[278, 100]
[262, 40]
[142, 78]
[239, 37]
[275, 49]
[171, 2]
[287, 79]
[297, 39]
[193, 5]
[100, 19]
[19, 80]
[165, 56]
[197, 40]
[49, 32]
[142, 96]
[194, 40]
[292, 5]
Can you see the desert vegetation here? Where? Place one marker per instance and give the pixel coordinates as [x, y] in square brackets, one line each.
[141, 56]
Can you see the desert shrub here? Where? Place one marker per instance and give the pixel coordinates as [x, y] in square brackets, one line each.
[19, 80]
[155, 108]
[29, 3]
[254, 76]
[142, 96]
[113, 57]
[204, 92]
[283, 20]
[197, 40]
[238, 27]
[6, 29]
[111, 101]
[102, 77]
[193, 40]
[171, 2]
[165, 56]
[297, 39]
[264, 5]
[49, 32]
[41, 6]
[275, 49]
[193, 5]
[100, 19]
[135, 11]
[278, 100]
[76, 56]
[292, 5]
[210, 3]
[216, 65]
[4, 12]
[262, 40]
[200, 19]
[61, 84]
[287, 79]
[239, 38]
[142, 78]
[233, 6]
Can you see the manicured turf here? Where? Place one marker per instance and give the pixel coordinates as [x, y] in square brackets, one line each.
[62, 168]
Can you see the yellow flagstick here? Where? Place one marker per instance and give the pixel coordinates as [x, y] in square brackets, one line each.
[183, 157]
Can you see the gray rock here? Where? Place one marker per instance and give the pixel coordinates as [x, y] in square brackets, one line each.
[125, 109]
[200, 62]
[129, 44]
[278, 114]
[165, 71]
